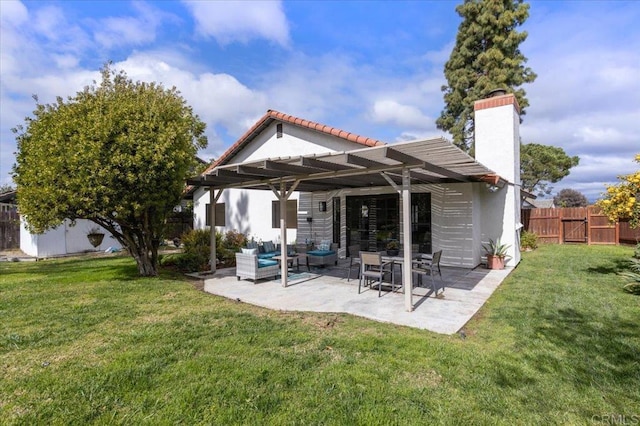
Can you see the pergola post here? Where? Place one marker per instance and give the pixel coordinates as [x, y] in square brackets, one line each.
[283, 195]
[405, 195]
[213, 199]
[284, 263]
[407, 276]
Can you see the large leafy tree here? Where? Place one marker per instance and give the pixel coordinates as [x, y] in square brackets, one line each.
[541, 165]
[486, 56]
[116, 153]
[570, 198]
[621, 200]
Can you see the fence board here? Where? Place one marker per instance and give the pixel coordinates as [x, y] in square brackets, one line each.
[576, 224]
[628, 235]
[9, 230]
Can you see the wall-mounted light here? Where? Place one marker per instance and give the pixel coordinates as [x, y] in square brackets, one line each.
[492, 188]
[322, 206]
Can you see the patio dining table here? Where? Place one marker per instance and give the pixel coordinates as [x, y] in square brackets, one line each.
[400, 261]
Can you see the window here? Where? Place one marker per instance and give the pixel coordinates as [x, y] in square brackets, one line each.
[220, 215]
[279, 130]
[292, 214]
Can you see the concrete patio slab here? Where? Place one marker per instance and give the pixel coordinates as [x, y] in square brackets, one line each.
[327, 290]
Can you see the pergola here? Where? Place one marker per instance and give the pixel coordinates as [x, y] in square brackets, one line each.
[400, 165]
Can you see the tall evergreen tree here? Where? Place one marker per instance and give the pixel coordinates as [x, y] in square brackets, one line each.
[486, 56]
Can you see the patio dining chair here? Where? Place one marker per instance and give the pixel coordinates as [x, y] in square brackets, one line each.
[424, 266]
[354, 259]
[373, 269]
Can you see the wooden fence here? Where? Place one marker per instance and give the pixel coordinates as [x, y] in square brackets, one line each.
[9, 230]
[577, 225]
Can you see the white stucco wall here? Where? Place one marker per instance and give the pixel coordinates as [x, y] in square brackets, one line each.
[497, 146]
[63, 240]
[249, 211]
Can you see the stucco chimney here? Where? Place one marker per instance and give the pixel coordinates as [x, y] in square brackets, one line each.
[497, 146]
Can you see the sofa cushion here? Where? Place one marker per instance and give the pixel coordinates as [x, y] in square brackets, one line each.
[249, 250]
[267, 255]
[268, 246]
[266, 262]
[321, 252]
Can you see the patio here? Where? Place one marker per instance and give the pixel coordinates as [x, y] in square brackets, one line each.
[327, 290]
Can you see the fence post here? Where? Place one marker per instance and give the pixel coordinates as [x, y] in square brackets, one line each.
[560, 227]
[589, 226]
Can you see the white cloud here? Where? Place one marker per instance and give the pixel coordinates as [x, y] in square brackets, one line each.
[391, 111]
[586, 98]
[219, 99]
[229, 21]
[130, 30]
[13, 13]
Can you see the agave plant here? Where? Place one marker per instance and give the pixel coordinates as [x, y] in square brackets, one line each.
[633, 286]
[495, 248]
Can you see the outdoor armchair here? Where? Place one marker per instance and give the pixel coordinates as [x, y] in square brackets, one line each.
[373, 269]
[426, 266]
[250, 266]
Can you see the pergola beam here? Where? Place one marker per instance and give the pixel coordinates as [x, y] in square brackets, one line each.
[410, 160]
[325, 165]
[290, 168]
[363, 162]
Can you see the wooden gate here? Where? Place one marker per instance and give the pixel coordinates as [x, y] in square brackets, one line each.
[574, 230]
[572, 225]
[9, 230]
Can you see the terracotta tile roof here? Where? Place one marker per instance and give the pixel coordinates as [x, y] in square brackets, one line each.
[272, 116]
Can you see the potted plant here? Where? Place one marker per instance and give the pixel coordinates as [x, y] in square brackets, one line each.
[95, 236]
[496, 254]
[393, 248]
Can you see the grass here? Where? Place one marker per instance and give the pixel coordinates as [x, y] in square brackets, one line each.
[87, 341]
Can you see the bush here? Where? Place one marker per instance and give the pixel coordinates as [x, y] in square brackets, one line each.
[184, 262]
[197, 245]
[528, 240]
[196, 242]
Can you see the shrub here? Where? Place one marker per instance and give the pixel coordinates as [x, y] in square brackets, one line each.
[528, 240]
[184, 262]
[230, 245]
[197, 245]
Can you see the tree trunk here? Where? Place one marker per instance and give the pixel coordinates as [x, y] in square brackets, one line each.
[142, 247]
[146, 266]
[146, 257]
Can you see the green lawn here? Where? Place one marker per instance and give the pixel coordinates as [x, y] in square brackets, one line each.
[86, 341]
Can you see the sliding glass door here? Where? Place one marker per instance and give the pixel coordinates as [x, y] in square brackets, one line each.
[374, 220]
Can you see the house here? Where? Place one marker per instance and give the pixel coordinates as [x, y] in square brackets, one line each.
[67, 238]
[533, 203]
[348, 188]
[8, 202]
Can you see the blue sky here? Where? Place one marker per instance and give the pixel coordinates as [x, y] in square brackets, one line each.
[370, 67]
